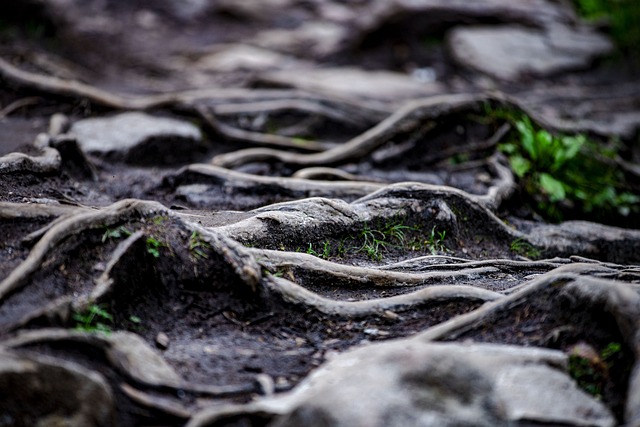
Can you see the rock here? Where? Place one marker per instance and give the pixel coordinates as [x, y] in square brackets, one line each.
[162, 341]
[412, 383]
[132, 355]
[243, 57]
[514, 52]
[138, 138]
[380, 85]
[49, 392]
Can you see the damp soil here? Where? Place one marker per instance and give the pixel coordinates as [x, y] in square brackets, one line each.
[218, 330]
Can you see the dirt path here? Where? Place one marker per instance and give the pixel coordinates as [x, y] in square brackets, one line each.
[304, 213]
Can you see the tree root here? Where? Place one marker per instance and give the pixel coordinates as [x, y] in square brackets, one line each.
[239, 182]
[256, 137]
[385, 307]
[47, 163]
[301, 105]
[405, 119]
[9, 210]
[226, 98]
[333, 174]
[70, 226]
[616, 298]
[351, 276]
[446, 263]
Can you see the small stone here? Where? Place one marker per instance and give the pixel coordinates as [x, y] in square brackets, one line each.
[162, 341]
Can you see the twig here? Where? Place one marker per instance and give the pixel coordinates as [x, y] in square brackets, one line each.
[19, 103]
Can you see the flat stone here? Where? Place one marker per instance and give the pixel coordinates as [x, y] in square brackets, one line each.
[514, 52]
[380, 85]
[239, 57]
[412, 383]
[131, 354]
[138, 138]
[535, 393]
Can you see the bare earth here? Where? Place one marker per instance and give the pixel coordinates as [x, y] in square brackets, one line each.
[294, 213]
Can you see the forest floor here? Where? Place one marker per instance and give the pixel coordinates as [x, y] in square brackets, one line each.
[304, 213]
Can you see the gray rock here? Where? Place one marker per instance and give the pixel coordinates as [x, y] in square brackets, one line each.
[237, 57]
[49, 392]
[409, 383]
[513, 52]
[132, 355]
[138, 138]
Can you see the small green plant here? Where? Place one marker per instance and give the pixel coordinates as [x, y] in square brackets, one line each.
[94, 319]
[435, 241]
[591, 370]
[134, 323]
[277, 273]
[324, 254]
[153, 246]
[390, 235]
[157, 220]
[198, 246]
[524, 248]
[373, 243]
[115, 233]
[562, 173]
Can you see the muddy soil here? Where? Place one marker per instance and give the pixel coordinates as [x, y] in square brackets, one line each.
[341, 186]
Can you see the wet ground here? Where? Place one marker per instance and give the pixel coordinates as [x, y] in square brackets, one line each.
[341, 185]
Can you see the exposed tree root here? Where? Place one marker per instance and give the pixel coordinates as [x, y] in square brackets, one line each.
[227, 98]
[256, 137]
[239, 182]
[407, 118]
[323, 173]
[351, 276]
[446, 263]
[296, 294]
[10, 210]
[70, 226]
[47, 163]
[619, 299]
[298, 105]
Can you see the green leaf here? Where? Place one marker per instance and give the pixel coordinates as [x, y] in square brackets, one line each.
[567, 150]
[508, 148]
[100, 312]
[525, 128]
[520, 165]
[553, 187]
[544, 140]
